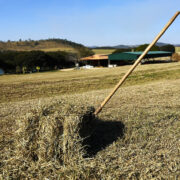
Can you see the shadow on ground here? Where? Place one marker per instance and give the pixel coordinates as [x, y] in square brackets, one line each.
[105, 133]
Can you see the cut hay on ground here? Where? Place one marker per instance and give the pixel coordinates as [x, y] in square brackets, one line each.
[47, 139]
[137, 135]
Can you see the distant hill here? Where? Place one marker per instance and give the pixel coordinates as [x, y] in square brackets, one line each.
[177, 45]
[111, 47]
[122, 47]
[47, 45]
[127, 46]
[160, 44]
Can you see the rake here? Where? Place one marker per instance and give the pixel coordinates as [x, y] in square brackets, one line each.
[98, 110]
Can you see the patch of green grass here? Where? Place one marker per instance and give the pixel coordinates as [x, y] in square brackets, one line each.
[103, 51]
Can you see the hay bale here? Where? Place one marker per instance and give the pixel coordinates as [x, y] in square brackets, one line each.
[39, 136]
[51, 136]
[176, 57]
[79, 123]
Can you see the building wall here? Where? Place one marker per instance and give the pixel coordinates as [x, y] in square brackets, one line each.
[103, 63]
[121, 62]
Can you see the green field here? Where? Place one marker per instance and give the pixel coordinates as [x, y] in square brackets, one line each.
[136, 136]
[103, 51]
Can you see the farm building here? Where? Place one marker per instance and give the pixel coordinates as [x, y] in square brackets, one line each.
[122, 58]
[130, 57]
[96, 60]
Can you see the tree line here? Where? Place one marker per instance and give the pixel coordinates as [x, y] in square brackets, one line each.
[169, 48]
[32, 61]
[12, 61]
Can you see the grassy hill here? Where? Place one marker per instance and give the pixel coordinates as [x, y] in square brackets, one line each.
[42, 45]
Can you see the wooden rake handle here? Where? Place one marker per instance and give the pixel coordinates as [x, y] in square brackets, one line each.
[98, 110]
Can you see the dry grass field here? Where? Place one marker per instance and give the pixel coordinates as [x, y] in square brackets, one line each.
[46, 46]
[136, 136]
[67, 49]
[177, 49]
[103, 51]
[47, 84]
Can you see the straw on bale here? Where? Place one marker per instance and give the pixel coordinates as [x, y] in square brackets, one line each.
[49, 137]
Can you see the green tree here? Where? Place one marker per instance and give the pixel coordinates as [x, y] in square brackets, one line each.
[144, 46]
[168, 47]
[121, 50]
[83, 52]
[18, 69]
[24, 69]
[37, 68]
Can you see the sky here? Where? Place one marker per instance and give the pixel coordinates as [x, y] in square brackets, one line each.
[89, 22]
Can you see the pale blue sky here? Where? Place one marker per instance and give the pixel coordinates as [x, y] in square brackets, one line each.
[90, 22]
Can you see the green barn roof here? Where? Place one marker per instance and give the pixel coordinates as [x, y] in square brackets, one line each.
[131, 56]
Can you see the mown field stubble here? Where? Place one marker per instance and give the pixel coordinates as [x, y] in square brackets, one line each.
[136, 136]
